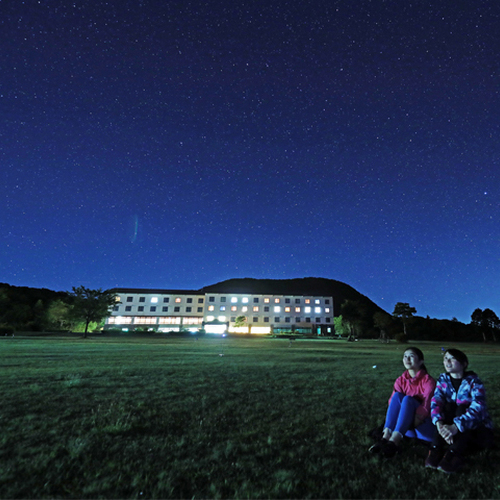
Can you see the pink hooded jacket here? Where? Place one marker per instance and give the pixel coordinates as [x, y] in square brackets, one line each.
[421, 387]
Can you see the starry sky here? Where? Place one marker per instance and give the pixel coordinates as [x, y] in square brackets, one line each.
[176, 144]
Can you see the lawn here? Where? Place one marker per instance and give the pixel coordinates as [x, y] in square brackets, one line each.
[163, 417]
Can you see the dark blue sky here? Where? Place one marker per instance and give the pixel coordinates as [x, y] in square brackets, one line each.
[175, 144]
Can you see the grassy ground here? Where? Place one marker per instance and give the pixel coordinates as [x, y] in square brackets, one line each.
[167, 417]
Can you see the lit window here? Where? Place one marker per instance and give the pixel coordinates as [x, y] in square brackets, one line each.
[287, 309]
[297, 309]
[211, 308]
[210, 318]
[222, 308]
[221, 318]
[154, 300]
[178, 300]
[327, 310]
[277, 309]
[317, 310]
[317, 301]
[234, 308]
[234, 300]
[276, 301]
[244, 300]
[266, 300]
[307, 310]
[255, 308]
[244, 309]
[308, 301]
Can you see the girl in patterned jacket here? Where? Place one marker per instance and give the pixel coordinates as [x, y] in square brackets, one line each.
[458, 410]
[409, 406]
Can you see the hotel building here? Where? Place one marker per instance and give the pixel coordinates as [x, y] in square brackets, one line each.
[178, 310]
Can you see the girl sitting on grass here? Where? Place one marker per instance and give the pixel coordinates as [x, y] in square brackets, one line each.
[458, 409]
[409, 406]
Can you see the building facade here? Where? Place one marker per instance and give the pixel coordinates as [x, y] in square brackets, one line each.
[178, 310]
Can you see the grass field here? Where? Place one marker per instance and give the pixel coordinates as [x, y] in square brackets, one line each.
[161, 417]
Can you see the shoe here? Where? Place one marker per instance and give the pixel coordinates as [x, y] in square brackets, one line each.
[434, 458]
[450, 463]
[390, 449]
[378, 446]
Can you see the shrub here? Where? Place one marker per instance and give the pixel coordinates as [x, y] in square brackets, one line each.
[401, 338]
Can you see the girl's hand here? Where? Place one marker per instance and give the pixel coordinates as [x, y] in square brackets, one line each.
[417, 421]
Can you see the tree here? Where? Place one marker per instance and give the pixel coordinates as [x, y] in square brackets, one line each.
[404, 311]
[240, 321]
[383, 322]
[487, 322]
[91, 305]
[352, 316]
[59, 314]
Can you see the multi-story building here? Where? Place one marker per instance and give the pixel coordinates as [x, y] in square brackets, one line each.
[176, 310]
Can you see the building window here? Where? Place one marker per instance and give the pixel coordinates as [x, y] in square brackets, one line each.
[266, 319]
[128, 308]
[255, 319]
[223, 299]
[266, 309]
[211, 308]
[255, 308]
[152, 308]
[287, 319]
[178, 300]
[318, 320]
[297, 301]
[154, 300]
[327, 320]
[297, 309]
[116, 308]
[166, 300]
[244, 309]
[234, 308]
[317, 301]
[308, 320]
[177, 309]
[142, 299]
[266, 300]
[327, 301]
[277, 309]
[287, 301]
[287, 309]
[317, 310]
[200, 309]
[234, 300]
[222, 308]
[307, 301]
[327, 310]
[164, 309]
[189, 300]
[276, 301]
[222, 318]
[200, 301]
[244, 300]
[276, 319]
[256, 300]
[233, 319]
[307, 309]
[140, 308]
[211, 299]
[130, 299]
[297, 320]
[188, 309]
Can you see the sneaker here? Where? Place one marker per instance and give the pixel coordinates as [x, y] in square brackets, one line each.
[378, 446]
[434, 458]
[390, 449]
[450, 463]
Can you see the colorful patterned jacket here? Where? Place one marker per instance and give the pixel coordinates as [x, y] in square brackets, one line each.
[470, 393]
[421, 387]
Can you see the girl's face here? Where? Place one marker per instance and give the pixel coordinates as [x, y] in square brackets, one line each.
[452, 365]
[412, 361]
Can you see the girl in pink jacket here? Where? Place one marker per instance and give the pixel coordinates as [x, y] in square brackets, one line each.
[409, 406]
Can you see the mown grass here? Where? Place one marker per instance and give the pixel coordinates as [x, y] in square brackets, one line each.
[173, 418]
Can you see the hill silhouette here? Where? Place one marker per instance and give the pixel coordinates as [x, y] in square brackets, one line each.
[298, 286]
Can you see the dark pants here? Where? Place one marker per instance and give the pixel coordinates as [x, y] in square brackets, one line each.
[480, 437]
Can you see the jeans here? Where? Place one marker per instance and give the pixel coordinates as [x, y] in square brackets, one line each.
[400, 417]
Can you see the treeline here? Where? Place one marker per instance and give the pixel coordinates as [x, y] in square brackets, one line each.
[403, 325]
[38, 310]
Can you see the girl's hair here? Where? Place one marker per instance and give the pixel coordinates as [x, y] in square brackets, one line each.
[419, 354]
[459, 356]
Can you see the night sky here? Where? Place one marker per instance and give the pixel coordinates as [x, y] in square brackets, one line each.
[176, 144]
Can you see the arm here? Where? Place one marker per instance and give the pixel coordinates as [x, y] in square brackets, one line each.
[476, 395]
[424, 410]
[438, 400]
